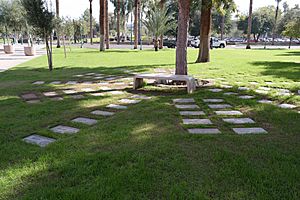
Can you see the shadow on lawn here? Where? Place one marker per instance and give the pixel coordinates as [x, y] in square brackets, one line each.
[139, 153]
[290, 53]
[290, 70]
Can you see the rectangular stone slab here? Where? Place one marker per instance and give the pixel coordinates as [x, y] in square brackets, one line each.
[39, 140]
[246, 97]
[87, 90]
[228, 112]
[243, 88]
[38, 82]
[265, 101]
[204, 131]
[242, 131]
[85, 120]
[191, 113]
[64, 129]
[69, 91]
[239, 121]
[213, 100]
[230, 93]
[215, 90]
[219, 106]
[129, 101]
[141, 97]
[116, 93]
[189, 100]
[102, 113]
[287, 106]
[29, 96]
[71, 82]
[196, 121]
[55, 82]
[187, 106]
[118, 107]
[50, 94]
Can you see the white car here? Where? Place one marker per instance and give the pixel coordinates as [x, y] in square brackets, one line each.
[216, 43]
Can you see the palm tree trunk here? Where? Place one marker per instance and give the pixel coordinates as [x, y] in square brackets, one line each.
[91, 21]
[275, 22]
[183, 26]
[204, 49]
[249, 25]
[161, 42]
[223, 27]
[106, 25]
[137, 5]
[57, 31]
[118, 22]
[102, 25]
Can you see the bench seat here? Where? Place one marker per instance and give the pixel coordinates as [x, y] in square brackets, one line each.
[190, 81]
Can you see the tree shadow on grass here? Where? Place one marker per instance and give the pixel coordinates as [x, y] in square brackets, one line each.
[290, 70]
[290, 53]
[139, 153]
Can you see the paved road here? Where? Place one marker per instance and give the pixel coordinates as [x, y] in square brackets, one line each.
[8, 61]
[145, 46]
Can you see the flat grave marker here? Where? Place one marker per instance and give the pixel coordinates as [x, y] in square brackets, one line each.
[39, 140]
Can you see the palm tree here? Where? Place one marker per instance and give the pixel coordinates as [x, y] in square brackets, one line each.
[249, 24]
[204, 55]
[275, 22]
[57, 15]
[106, 25]
[118, 20]
[205, 29]
[158, 22]
[102, 24]
[137, 10]
[182, 33]
[162, 5]
[91, 21]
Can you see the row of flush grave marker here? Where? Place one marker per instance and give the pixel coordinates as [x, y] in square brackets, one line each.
[188, 104]
[43, 141]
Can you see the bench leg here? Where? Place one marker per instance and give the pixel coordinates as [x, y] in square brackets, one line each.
[138, 83]
[191, 87]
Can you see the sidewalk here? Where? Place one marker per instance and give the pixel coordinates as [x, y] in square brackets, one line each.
[8, 61]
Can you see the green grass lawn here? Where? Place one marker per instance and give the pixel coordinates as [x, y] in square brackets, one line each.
[145, 152]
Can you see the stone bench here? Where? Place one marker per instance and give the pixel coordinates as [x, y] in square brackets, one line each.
[190, 81]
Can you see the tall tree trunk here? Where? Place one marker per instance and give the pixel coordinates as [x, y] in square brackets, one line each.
[49, 52]
[161, 42]
[137, 5]
[223, 27]
[91, 21]
[249, 25]
[183, 26]
[204, 48]
[275, 22]
[118, 22]
[106, 25]
[156, 43]
[102, 25]
[57, 31]
[290, 43]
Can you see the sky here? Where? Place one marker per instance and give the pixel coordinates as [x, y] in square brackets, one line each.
[75, 8]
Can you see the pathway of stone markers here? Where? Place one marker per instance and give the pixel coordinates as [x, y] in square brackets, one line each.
[90, 83]
[197, 121]
[108, 111]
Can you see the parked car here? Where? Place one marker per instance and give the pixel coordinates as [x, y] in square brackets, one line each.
[216, 43]
[170, 43]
